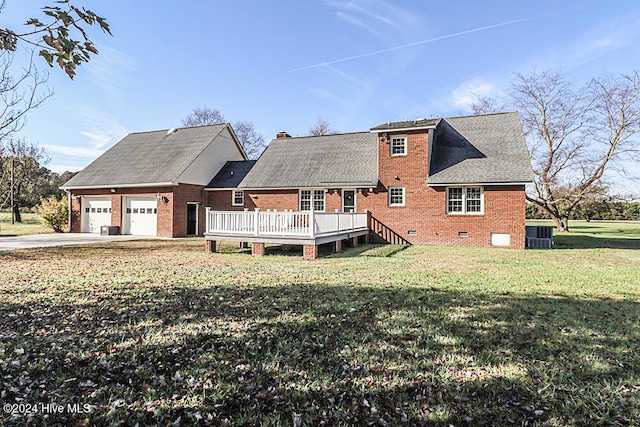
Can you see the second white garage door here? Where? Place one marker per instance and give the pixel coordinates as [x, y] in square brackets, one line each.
[141, 216]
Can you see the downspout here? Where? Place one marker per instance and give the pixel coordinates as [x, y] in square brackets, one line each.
[68, 210]
[429, 151]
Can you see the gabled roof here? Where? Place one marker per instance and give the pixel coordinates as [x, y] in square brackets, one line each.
[342, 160]
[231, 174]
[146, 158]
[484, 149]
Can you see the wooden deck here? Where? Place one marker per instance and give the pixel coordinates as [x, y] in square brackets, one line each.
[285, 227]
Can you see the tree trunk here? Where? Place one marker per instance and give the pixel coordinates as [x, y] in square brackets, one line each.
[562, 223]
[16, 212]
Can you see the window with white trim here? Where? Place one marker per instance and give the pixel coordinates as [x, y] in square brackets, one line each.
[309, 198]
[465, 200]
[398, 145]
[396, 196]
[238, 198]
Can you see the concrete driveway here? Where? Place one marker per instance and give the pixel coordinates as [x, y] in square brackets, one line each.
[8, 243]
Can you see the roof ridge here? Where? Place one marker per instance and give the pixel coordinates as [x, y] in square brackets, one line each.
[320, 136]
[480, 115]
[178, 128]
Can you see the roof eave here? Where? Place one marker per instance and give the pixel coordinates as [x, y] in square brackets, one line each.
[95, 187]
[450, 184]
[392, 129]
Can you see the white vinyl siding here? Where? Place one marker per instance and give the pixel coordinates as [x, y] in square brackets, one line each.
[309, 198]
[465, 200]
[396, 196]
[209, 162]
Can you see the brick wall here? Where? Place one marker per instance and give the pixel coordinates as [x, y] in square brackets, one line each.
[424, 211]
[172, 215]
[425, 207]
[183, 195]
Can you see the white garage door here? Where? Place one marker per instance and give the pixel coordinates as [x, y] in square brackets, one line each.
[97, 212]
[141, 216]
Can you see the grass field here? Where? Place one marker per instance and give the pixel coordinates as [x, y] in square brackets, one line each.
[162, 333]
[31, 224]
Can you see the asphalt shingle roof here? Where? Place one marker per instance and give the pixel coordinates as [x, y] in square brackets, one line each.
[480, 149]
[316, 161]
[409, 124]
[147, 157]
[231, 174]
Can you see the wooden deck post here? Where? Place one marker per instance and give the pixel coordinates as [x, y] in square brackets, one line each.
[210, 245]
[354, 242]
[312, 223]
[256, 221]
[338, 246]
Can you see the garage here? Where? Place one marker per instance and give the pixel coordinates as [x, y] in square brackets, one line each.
[141, 216]
[96, 213]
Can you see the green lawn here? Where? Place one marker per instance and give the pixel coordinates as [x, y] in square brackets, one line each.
[596, 234]
[162, 333]
[31, 224]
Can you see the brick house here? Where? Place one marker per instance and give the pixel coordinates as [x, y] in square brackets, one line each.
[450, 181]
[152, 183]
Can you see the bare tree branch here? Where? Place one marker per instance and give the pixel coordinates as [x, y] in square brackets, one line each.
[321, 127]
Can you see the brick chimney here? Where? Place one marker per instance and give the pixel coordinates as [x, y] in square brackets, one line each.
[282, 134]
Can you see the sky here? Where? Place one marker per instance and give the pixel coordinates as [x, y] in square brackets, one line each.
[280, 64]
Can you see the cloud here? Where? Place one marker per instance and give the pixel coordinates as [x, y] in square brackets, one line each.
[468, 92]
[409, 45]
[109, 68]
[100, 130]
[72, 150]
[96, 140]
[594, 43]
[372, 15]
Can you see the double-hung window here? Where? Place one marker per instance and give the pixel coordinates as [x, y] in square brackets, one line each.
[311, 198]
[238, 198]
[396, 196]
[465, 200]
[398, 145]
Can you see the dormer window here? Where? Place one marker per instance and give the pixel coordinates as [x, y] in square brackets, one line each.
[398, 145]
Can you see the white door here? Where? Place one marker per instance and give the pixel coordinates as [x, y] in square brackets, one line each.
[96, 213]
[141, 216]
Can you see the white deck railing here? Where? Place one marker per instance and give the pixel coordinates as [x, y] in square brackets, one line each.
[286, 224]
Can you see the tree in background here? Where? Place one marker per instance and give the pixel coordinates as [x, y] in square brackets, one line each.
[252, 142]
[574, 134]
[23, 160]
[203, 116]
[321, 127]
[19, 93]
[55, 35]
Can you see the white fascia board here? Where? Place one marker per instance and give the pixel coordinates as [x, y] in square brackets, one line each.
[468, 184]
[402, 129]
[95, 187]
[323, 185]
